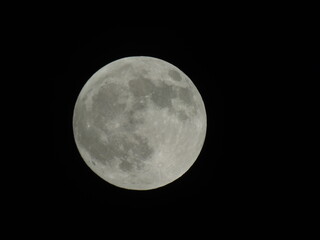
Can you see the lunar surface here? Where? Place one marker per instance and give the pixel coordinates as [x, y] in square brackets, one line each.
[139, 123]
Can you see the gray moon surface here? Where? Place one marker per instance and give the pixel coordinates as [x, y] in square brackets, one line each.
[139, 123]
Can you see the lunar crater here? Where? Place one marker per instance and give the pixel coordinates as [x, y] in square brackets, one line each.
[174, 75]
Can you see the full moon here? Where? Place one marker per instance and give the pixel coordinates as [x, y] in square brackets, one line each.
[139, 123]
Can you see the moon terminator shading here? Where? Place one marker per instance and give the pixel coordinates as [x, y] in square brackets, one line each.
[139, 123]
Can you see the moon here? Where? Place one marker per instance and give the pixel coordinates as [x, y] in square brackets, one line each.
[139, 123]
